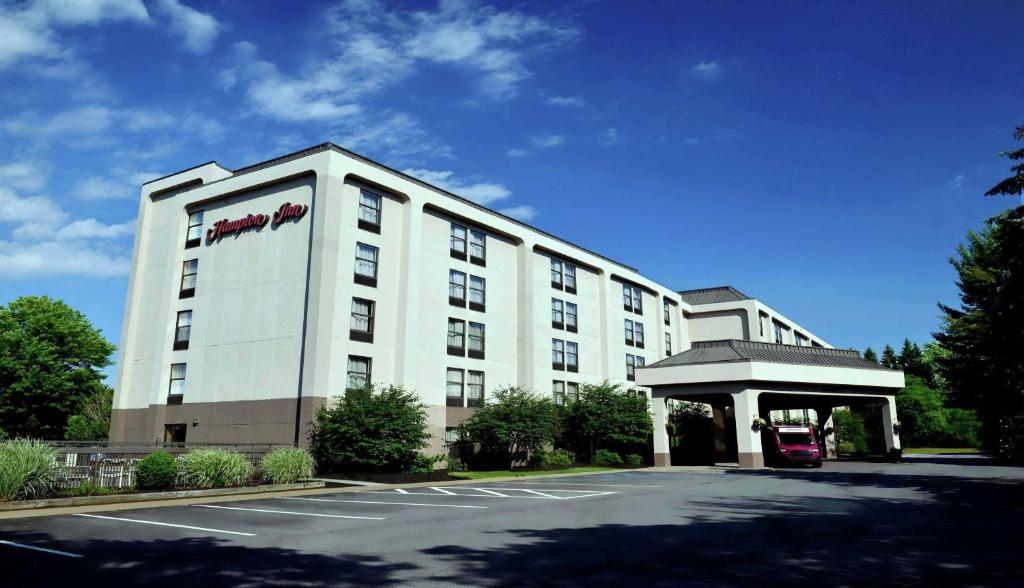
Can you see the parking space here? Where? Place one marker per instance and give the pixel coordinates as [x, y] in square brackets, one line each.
[582, 529]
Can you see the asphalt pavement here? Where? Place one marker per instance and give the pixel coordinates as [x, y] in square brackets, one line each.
[931, 521]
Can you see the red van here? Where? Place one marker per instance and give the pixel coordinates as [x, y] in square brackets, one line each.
[791, 445]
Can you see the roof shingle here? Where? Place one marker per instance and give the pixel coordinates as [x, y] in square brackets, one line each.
[733, 350]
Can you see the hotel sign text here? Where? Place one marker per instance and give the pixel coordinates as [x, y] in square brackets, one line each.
[255, 221]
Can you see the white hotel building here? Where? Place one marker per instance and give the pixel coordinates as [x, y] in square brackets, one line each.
[258, 294]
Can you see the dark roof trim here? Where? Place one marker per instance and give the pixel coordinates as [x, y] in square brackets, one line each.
[566, 259]
[183, 171]
[332, 147]
[670, 301]
[618, 278]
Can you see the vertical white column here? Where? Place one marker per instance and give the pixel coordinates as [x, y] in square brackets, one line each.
[892, 439]
[661, 443]
[748, 441]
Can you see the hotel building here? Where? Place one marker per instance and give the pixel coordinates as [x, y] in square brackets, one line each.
[258, 294]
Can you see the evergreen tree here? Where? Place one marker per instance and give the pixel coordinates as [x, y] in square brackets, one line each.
[889, 358]
[911, 360]
[870, 355]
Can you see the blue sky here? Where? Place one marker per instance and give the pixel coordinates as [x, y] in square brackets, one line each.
[824, 157]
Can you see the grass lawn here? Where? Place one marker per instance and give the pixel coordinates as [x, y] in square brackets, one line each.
[936, 450]
[520, 473]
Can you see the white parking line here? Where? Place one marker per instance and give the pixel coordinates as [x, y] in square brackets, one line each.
[301, 514]
[608, 485]
[488, 491]
[159, 524]
[381, 502]
[43, 549]
[443, 491]
[539, 493]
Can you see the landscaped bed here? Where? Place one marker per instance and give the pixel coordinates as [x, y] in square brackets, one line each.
[392, 478]
[941, 450]
[521, 472]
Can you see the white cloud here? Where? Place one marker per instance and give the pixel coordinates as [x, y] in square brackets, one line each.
[574, 101]
[92, 12]
[547, 141]
[100, 188]
[956, 182]
[52, 258]
[398, 135]
[707, 70]
[91, 228]
[19, 38]
[197, 29]
[23, 175]
[610, 137]
[517, 153]
[523, 213]
[85, 120]
[482, 192]
[23, 209]
[147, 119]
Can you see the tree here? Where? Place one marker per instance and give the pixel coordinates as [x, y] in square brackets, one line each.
[911, 360]
[870, 355]
[92, 423]
[851, 436]
[1013, 185]
[512, 424]
[607, 416]
[984, 367]
[889, 358]
[380, 428]
[50, 362]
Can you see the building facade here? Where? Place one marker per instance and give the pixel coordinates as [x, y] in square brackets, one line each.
[257, 295]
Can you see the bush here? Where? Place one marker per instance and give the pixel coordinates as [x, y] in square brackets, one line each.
[846, 448]
[849, 429]
[511, 425]
[424, 464]
[634, 460]
[286, 466]
[962, 427]
[91, 489]
[92, 423]
[27, 469]
[156, 471]
[561, 458]
[607, 415]
[214, 468]
[603, 457]
[370, 429]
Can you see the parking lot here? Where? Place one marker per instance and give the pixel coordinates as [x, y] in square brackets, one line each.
[847, 524]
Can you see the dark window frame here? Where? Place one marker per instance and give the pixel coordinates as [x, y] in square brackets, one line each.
[668, 344]
[630, 367]
[171, 380]
[456, 350]
[558, 323]
[572, 327]
[455, 300]
[369, 225]
[558, 364]
[572, 396]
[476, 259]
[470, 401]
[364, 279]
[360, 335]
[184, 292]
[461, 398]
[556, 394]
[628, 331]
[636, 299]
[453, 250]
[477, 306]
[171, 431]
[559, 283]
[668, 316]
[179, 342]
[194, 241]
[476, 353]
[349, 372]
[638, 334]
[572, 366]
[567, 270]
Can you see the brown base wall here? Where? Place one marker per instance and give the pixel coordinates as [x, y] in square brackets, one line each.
[662, 459]
[751, 460]
[234, 422]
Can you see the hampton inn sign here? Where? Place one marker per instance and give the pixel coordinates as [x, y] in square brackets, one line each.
[227, 227]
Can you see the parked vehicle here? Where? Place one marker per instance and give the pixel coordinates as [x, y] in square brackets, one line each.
[789, 445]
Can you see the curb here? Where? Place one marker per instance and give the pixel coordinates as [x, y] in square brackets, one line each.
[118, 499]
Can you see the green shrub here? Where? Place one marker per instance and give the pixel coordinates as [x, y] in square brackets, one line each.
[455, 465]
[424, 464]
[27, 469]
[634, 460]
[511, 425]
[846, 448]
[557, 458]
[849, 428]
[370, 429]
[609, 416]
[156, 471]
[213, 468]
[286, 466]
[90, 489]
[603, 457]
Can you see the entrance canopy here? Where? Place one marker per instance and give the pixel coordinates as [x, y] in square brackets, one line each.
[756, 378]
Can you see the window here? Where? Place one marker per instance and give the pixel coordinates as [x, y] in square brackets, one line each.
[477, 248]
[570, 317]
[175, 433]
[632, 299]
[369, 211]
[570, 278]
[638, 334]
[361, 325]
[572, 356]
[183, 329]
[557, 354]
[572, 391]
[556, 274]
[668, 315]
[557, 314]
[799, 339]
[457, 243]
[474, 388]
[630, 365]
[358, 372]
[477, 293]
[454, 387]
[558, 391]
[189, 269]
[762, 319]
[476, 340]
[177, 385]
[668, 344]
[366, 264]
[630, 337]
[777, 329]
[640, 362]
[195, 229]
[456, 337]
[456, 288]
